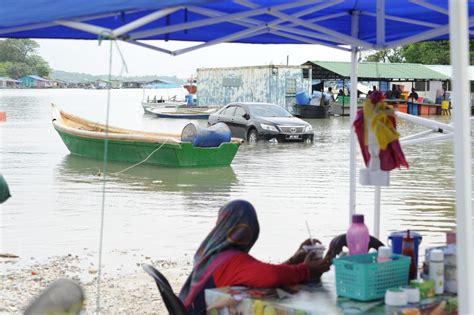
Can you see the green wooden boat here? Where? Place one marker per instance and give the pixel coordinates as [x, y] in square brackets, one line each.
[86, 138]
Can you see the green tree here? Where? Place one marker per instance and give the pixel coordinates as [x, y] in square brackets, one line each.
[39, 64]
[17, 50]
[386, 56]
[4, 68]
[18, 57]
[435, 53]
[19, 69]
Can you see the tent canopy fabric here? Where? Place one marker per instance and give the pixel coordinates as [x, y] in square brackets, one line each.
[372, 71]
[326, 22]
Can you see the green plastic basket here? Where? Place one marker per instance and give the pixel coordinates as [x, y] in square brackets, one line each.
[359, 277]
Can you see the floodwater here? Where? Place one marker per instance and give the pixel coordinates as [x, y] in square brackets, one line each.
[165, 213]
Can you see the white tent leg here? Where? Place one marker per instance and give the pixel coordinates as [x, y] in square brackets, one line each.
[380, 43]
[458, 32]
[353, 111]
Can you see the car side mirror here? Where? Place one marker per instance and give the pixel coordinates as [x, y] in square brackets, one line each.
[246, 116]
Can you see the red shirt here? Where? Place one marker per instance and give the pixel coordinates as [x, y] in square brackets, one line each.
[245, 270]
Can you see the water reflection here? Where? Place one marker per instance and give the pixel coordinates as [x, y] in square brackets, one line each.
[147, 177]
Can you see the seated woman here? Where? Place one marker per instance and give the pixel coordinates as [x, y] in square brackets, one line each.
[223, 260]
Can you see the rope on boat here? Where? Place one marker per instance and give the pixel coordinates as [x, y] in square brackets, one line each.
[141, 162]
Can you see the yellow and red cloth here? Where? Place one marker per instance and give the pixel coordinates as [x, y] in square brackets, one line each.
[383, 125]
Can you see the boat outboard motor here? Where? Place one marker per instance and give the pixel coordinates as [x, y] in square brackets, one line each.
[206, 137]
[64, 296]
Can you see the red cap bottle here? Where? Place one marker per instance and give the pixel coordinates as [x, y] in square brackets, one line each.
[408, 249]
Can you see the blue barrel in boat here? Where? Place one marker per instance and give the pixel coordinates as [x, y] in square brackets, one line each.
[396, 240]
[302, 98]
[206, 137]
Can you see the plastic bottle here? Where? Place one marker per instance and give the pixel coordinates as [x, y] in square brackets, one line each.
[358, 236]
[437, 270]
[384, 254]
[408, 249]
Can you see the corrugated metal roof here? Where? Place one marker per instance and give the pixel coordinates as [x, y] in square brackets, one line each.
[254, 67]
[447, 70]
[37, 78]
[7, 79]
[377, 71]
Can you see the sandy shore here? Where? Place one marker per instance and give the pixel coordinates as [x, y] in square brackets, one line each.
[133, 293]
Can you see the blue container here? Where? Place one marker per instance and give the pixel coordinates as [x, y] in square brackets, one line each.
[396, 240]
[211, 137]
[317, 94]
[413, 108]
[189, 99]
[302, 98]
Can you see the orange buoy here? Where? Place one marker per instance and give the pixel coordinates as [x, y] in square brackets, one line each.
[3, 116]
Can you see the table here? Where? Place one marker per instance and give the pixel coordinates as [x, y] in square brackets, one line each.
[429, 109]
[398, 104]
[308, 299]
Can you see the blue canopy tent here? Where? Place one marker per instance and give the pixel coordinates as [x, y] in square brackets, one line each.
[349, 25]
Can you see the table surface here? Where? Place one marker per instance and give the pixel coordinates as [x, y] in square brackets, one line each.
[312, 298]
[403, 101]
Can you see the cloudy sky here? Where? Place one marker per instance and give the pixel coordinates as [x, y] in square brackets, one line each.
[89, 57]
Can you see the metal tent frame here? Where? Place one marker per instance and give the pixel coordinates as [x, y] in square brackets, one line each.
[291, 22]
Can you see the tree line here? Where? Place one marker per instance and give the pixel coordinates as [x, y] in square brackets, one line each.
[18, 57]
[431, 53]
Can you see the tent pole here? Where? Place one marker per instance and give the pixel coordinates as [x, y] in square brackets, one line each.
[353, 110]
[377, 197]
[343, 98]
[380, 23]
[380, 43]
[458, 34]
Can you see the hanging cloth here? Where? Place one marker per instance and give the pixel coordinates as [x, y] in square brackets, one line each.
[383, 124]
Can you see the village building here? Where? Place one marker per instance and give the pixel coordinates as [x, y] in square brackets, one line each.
[9, 83]
[101, 84]
[276, 84]
[132, 84]
[59, 84]
[34, 81]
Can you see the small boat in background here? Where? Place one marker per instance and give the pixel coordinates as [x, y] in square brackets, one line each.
[173, 101]
[184, 112]
[165, 96]
[86, 138]
[178, 115]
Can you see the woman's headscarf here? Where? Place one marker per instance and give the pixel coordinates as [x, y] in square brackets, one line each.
[236, 231]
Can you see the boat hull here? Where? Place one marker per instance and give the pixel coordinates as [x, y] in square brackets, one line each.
[166, 154]
[182, 116]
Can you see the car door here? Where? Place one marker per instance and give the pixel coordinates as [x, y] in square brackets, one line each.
[227, 116]
[239, 123]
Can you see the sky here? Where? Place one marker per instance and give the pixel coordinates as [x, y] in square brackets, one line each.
[88, 57]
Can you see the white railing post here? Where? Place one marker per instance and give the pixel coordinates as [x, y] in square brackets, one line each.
[458, 33]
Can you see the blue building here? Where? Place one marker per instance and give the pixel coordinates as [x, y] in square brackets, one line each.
[34, 81]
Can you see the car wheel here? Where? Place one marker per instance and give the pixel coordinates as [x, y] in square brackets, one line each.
[252, 136]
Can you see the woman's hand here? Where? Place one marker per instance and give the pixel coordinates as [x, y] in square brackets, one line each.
[299, 256]
[317, 266]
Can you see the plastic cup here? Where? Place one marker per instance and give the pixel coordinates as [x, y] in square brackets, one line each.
[316, 248]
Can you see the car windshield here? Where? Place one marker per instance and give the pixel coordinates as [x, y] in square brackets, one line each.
[268, 111]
